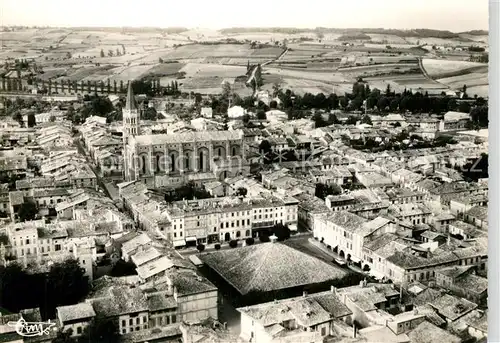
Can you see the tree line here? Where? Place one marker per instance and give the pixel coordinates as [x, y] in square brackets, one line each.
[64, 284]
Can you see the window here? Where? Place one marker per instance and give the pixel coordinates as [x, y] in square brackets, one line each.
[124, 331]
[175, 234]
[130, 321]
[180, 234]
[79, 330]
[174, 319]
[124, 323]
[27, 241]
[57, 247]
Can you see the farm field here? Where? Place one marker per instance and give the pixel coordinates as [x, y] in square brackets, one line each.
[415, 82]
[481, 91]
[472, 79]
[130, 73]
[386, 39]
[314, 63]
[307, 75]
[220, 51]
[211, 70]
[446, 68]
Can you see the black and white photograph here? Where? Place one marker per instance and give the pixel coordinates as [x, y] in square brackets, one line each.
[247, 172]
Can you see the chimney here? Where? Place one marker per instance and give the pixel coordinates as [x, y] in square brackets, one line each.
[225, 325]
[304, 294]
[362, 283]
[354, 330]
[333, 289]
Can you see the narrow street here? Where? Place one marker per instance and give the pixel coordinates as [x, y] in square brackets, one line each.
[225, 245]
[83, 152]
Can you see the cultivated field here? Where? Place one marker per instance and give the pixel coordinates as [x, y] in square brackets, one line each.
[446, 68]
[472, 79]
[314, 62]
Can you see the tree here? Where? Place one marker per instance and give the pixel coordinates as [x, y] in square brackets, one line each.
[249, 241]
[241, 191]
[200, 247]
[318, 120]
[31, 120]
[233, 243]
[322, 190]
[102, 53]
[150, 114]
[102, 330]
[366, 120]
[265, 146]
[264, 238]
[282, 232]
[226, 90]
[66, 283]
[27, 211]
[246, 118]
[464, 107]
[277, 90]
[118, 53]
[217, 246]
[479, 116]
[261, 115]
[351, 120]
[123, 268]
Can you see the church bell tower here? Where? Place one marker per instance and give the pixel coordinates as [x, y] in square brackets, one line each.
[131, 127]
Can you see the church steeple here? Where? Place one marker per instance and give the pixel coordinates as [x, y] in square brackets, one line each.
[131, 127]
[130, 105]
[131, 115]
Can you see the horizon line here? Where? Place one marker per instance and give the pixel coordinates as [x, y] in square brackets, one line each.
[188, 28]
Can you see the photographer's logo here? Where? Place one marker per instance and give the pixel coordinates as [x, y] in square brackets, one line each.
[31, 329]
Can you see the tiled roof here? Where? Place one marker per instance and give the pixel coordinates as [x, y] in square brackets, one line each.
[265, 267]
[452, 307]
[74, 312]
[430, 333]
[308, 310]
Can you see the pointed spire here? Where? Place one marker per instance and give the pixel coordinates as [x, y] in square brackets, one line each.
[131, 105]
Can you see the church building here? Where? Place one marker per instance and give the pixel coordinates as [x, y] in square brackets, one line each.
[161, 160]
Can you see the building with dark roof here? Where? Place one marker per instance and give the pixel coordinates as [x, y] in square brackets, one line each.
[264, 271]
[310, 316]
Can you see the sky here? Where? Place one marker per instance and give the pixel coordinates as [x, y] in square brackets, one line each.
[453, 15]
